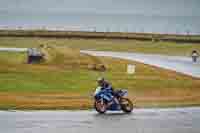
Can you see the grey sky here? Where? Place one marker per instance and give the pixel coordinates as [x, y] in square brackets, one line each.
[147, 7]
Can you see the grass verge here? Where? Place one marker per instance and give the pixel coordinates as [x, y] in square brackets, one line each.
[65, 86]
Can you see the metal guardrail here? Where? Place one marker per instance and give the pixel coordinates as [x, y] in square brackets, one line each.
[14, 49]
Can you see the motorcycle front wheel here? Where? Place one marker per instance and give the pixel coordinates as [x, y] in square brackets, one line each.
[126, 105]
[100, 106]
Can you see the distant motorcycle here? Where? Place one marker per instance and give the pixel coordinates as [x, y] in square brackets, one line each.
[102, 102]
[195, 55]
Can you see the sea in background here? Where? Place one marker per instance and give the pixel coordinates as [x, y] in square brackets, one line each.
[149, 16]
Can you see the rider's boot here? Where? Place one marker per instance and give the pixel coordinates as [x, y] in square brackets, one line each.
[116, 100]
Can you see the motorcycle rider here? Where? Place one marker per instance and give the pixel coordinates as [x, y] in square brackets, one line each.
[104, 84]
[195, 55]
[107, 87]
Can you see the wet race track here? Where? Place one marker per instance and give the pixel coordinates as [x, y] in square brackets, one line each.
[179, 120]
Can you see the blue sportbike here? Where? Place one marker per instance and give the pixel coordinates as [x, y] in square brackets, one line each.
[104, 101]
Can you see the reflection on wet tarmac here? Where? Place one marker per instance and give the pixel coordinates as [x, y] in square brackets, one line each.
[171, 120]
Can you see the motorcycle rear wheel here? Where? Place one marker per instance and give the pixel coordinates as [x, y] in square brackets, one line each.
[126, 105]
[100, 107]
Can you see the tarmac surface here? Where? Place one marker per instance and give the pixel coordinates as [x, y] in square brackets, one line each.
[170, 120]
[179, 64]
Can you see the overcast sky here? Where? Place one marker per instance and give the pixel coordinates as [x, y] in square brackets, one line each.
[146, 7]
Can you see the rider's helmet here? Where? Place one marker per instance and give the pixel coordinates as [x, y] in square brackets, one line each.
[194, 51]
[100, 81]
